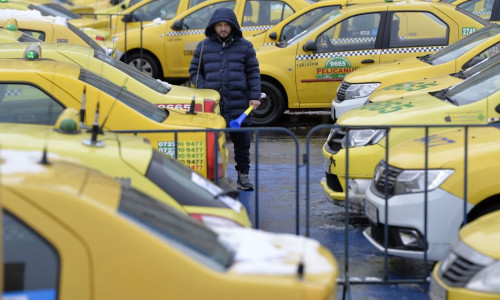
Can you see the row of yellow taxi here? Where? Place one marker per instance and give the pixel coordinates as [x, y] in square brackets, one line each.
[71, 232]
[416, 170]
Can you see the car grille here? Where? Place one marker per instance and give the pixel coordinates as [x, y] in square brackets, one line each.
[336, 139]
[341, 91]
[460, 272]
[333, 183]
[381, 181]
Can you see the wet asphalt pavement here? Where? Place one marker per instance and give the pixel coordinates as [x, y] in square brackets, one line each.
[273, 208]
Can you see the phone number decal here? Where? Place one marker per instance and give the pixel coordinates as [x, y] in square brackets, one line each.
[190, 153]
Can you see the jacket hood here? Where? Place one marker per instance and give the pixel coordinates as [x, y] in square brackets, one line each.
[223, 15]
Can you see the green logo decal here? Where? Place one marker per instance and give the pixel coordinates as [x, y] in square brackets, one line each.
[409, 86]
[386, 106]
[468, 30]
[336, 67]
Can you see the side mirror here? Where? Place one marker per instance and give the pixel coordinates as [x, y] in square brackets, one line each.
[273, 35]
[129, 18]
[473, 61]
[177, 25]
[310, 45]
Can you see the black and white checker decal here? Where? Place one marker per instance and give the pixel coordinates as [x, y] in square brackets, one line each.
[368, 52]
[260, 27]
[13, 93]
[186, 32]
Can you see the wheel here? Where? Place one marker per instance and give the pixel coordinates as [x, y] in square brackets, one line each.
[486, 210]
[271, 108]
[149, 64]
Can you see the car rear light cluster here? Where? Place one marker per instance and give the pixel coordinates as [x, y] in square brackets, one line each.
[209, 105]
[211, 220]
[212, 138]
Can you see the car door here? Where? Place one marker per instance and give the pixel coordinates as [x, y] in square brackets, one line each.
[261, 15]
[348, 45]
[42, 258]
[415, 33]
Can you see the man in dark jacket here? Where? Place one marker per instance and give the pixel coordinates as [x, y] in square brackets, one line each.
[226, 62]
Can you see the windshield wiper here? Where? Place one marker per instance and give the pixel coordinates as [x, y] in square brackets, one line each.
[460, 74]
[442, 94]
[425, 58]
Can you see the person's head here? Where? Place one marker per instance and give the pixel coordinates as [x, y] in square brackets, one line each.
[223, 29]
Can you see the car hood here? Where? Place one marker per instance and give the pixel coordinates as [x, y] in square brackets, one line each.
[410, 69]
[483, 235]
[401, 111]
[410, 88]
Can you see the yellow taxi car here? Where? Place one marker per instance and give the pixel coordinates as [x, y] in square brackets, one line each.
[477, 245]
[12, 35]
[160, 93]
[305, 72]
[473, 101]
[36, 91]
[399, 196]
[357, 87]
[168, 46]
[51, 29]
[72, 233]
[432, 84]
[486, 9]
[134, 162]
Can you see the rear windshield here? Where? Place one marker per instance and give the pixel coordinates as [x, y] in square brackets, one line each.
[133, 72]
[478, 87]
[185, 185]
[87, 39]
[141, 105]
[177, 229]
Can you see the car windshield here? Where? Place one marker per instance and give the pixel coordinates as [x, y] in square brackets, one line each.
[87, 39]
[185, 185]
[56, 10]
[462, 46]
[28, 38]
[476, 88]
[307, 21]
[133, 72]
[334, 15]
[178, 230]
[141, 105]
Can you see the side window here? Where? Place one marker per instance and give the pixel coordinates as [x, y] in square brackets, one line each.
[31, 263]
[356, 33]
[481, 8]
[417, 29]
[200, 18]
[195, 2]
[164, 9]
[24, 103]
[482, 56]
[265, 12]
[36, 34]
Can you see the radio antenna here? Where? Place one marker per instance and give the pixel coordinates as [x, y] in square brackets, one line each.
[82, 107]
[193, 102]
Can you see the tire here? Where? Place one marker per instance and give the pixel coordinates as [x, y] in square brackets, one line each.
[271, 108]
[149, 63]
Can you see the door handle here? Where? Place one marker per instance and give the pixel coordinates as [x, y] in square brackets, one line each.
[368, 61]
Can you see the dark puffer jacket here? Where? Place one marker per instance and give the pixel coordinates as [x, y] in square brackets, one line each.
[231, 68]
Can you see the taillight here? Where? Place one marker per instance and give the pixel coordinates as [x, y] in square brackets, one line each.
[211, 142]
[209, 105]
[211, 220]
[99, 38]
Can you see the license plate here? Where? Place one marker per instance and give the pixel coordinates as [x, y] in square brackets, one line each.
[436, 291]
[327, 164]
[371, 212]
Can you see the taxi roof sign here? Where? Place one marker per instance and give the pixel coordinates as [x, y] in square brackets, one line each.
[33, 52]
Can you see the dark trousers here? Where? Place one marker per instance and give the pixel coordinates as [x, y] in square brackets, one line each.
[241, 143]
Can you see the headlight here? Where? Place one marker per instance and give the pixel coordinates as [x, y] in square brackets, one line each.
[486, 280]
[360, 90]
[363, 137]
[412, 181]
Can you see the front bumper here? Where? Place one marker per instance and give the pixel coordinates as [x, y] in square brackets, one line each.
[357, 189]
[339, 108]
[406, 214]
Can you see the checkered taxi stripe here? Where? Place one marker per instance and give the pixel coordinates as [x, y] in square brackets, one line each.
[493, 120]
[253, 28]
[368, 52]
[354, 40]
[483, 12]
[202, 31]
[13, 93]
